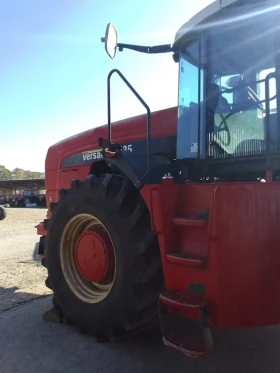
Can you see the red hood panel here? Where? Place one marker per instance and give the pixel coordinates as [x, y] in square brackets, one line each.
[163, 123]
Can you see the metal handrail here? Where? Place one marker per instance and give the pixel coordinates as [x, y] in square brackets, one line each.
[142, 102]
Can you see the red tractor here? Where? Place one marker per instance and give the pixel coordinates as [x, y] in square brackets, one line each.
[176, 212]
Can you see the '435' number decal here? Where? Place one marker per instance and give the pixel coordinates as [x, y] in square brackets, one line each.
[127, 148]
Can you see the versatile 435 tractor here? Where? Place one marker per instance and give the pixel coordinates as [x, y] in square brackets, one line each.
[181, 218]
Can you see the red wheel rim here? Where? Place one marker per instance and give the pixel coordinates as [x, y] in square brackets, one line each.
[87, 258]
[92, 255]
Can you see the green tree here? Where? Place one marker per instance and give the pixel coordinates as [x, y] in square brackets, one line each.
[28, 174]
[18, 173]
[5, 174]
[37, 175]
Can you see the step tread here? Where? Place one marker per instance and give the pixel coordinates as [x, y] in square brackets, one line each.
[183, 299]
[188, 261]
[189, 222]
[190, 347]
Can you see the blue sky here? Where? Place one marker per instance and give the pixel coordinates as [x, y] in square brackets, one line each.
[53, 68]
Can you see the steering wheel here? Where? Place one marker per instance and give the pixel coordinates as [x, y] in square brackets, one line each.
[223, 126]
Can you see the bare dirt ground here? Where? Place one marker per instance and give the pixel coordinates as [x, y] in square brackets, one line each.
[21, 278]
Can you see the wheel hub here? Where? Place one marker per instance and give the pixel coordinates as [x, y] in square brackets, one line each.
[91, 255]
[87, 257]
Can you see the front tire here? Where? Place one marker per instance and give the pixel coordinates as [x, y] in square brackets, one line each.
[2, 213]
[133, 281]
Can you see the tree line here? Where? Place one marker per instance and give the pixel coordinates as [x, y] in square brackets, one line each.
[19, 174]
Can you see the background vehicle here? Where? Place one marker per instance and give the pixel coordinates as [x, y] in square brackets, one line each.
[2, 200]
[29, 196]
[187, 223]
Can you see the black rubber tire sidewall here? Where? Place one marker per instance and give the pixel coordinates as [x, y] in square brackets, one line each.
[2, 213]
[113, 308]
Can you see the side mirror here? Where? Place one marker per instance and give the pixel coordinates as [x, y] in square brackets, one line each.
[110, 40]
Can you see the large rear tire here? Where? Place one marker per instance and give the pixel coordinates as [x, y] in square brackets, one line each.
[126, 297]
[2, 213]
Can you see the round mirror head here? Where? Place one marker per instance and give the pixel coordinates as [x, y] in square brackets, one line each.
[111, 40]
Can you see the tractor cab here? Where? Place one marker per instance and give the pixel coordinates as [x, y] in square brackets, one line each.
[228, 107]
[228, 116]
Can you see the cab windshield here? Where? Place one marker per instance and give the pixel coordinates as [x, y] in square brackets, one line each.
[228, 88]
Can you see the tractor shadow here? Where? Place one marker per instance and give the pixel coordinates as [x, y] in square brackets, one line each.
[239, 351]
[235, 351]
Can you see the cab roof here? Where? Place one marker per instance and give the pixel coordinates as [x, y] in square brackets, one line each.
[213, 9]
[200, 18]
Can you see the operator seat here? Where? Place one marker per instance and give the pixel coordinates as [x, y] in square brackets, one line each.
[258, 146]
[241, 97]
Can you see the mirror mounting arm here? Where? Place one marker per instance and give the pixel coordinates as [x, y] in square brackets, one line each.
[166, 48]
